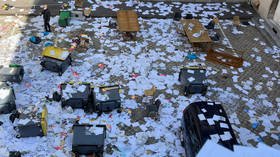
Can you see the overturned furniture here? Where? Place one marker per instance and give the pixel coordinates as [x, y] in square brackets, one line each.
[225, 58]
[79, 3]
[128, 24]
[107, 98]
[13, 73]
[211, 25]
[202, 121]
[55, 59]
[151, 103]
[77, 96]
[193, 79]
[30, 121]
[64, 18]
[81, 40]
[196, 33]
[88, 140]
[84, 40]
[7, 98]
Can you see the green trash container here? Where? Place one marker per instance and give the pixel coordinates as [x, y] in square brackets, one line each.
[64, 18]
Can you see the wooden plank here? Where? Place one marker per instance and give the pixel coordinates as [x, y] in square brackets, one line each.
[224, 59]
[193, 27]
[127, 21]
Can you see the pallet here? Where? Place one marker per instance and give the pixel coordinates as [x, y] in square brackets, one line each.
[224, 59]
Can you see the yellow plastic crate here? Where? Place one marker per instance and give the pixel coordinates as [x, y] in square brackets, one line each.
[55, 52]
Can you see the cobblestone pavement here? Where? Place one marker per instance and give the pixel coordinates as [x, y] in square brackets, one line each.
[249, 94]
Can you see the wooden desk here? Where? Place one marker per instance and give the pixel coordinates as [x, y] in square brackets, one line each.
[127, 21]
[192, 27]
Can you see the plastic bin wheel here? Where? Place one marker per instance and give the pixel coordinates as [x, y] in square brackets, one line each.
[186, 91]
[203, 93]
[119, 110]
[99, 113]
[14, 115]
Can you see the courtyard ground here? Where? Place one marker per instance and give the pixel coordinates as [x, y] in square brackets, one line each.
[250, 95]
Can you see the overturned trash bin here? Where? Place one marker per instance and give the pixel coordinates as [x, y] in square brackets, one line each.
[88, 140]
[77, 96]
[55, 59]
[30, 121]
[202, 121]
[13, 73]
[7, 98]
[193, 79]
[107, 98]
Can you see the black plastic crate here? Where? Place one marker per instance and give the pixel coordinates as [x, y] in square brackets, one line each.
[152, 109]
[55, 65]
[77, 95]
[7, 98]
[30, 122]
[202, 121]
[193, 79]
[13, 73]
[107, 99]
[88, 139]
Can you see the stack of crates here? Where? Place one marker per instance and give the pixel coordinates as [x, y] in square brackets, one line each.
[30, 121]
[13, 73]
[7, 98]
[55, 59]
[64, 18]
[83, 95]
[88, 140]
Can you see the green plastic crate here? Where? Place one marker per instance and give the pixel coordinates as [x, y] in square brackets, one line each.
[64, 18]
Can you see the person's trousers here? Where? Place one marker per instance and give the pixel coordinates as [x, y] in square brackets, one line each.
[47, 26]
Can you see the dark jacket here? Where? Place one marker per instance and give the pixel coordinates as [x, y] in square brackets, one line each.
[46, 15]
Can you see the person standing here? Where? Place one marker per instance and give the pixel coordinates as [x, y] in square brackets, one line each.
[46, 16]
